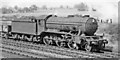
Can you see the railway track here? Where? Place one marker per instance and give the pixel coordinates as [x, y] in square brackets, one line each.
[9, 54]
[22, 52]
[57, 50]
[16, 52]
[53, 52]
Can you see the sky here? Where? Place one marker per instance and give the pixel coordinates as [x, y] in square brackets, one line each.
[49, 3]
[106, 8]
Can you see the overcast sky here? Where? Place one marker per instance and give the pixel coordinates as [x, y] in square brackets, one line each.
[49, 3]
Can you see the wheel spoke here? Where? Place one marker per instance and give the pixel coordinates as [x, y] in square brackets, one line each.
[16, 36]
[34, 39]
[72, 45]
[58, 43]
[6, 36]
[29, 39]
[87, 47]
[46, 40]
[22, 37]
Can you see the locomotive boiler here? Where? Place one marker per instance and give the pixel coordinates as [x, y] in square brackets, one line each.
[81, 25]
[73, 32]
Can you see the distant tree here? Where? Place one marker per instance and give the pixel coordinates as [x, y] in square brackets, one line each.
[20, 10]
[4, 10]
[67, 6]
[10, 10]
[33, 7]
[44, 7]
[16, 7]
[26, 9]
[61, 6]
[81, 7]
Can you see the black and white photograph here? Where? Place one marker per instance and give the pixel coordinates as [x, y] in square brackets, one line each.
[59, 29]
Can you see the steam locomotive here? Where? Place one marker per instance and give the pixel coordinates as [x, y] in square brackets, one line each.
[74, 32]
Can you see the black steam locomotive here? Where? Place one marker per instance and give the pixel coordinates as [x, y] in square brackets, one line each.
[75, 32]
